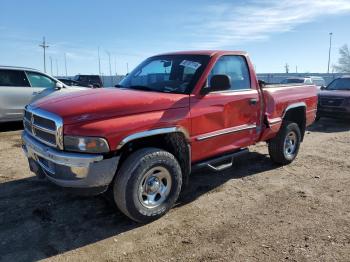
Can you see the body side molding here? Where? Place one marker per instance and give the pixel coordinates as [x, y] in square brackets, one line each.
[225, 131]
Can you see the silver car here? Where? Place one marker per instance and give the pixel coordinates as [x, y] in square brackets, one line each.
[20, 86]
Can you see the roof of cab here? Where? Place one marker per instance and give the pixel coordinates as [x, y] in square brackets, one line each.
[18, 68]
[206, 52]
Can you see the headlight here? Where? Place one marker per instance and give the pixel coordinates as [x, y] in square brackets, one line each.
[86, 144]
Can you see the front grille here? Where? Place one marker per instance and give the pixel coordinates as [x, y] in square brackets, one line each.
[331, 101]
[27, 125]
[27, 115]
[51, 138]
[44, 126]
[47, 123]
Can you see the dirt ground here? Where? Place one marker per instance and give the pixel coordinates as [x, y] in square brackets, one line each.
[255, 211]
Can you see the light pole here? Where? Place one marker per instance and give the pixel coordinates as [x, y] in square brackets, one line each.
[287, 68]
[65, 63]
[44, 46]
[56, 68]
[99, 61]
[51, 65]
[110, 67]
[329, 52]
[115, 65]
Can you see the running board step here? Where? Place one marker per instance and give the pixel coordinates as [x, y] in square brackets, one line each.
[222, 162]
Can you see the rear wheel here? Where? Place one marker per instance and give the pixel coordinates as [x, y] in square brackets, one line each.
[284, 148]
[147, 184]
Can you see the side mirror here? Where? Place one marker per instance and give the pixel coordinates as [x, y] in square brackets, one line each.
[59, 85]
[220, 83]
[323, 88]
[262, 83]
[166, 63]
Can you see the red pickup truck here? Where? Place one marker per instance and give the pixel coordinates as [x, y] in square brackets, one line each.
[172, 113]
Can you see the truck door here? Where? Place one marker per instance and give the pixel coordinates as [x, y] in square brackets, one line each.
[223, 121]
[15, 93]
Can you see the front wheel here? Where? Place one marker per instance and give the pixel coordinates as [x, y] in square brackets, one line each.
[284, 148]
[147, 184]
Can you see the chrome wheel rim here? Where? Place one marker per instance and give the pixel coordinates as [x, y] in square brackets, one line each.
[154, 187]
[290, 144]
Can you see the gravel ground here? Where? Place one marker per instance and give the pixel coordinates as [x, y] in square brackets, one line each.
[255, 211]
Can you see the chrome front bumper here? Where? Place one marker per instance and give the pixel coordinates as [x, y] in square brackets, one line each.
[66, 169]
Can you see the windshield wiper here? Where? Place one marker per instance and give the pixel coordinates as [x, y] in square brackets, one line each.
[141, 87]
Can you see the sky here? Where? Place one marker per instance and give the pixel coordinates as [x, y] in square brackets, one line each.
[273, 32]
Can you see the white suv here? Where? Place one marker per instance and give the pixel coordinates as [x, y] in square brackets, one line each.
[311, 80]
[20, 86]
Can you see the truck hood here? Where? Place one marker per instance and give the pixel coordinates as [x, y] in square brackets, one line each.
[106, 103]
[334, 93]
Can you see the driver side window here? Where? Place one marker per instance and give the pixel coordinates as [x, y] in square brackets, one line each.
[39, 80]
[155, 71]
[236, 68]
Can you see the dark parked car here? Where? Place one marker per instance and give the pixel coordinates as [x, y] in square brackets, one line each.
[334, 100]
[70, 82]
[89, 80]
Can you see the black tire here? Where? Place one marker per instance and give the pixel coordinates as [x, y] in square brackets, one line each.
[126, 187]
[278, 153]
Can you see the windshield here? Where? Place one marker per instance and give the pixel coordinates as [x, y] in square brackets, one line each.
[339, 84]
[292, 81]
[168, 73]
[318, 82]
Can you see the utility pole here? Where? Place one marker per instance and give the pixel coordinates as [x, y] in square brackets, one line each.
[51, 65]
[99, 61]
[127, 68]
[296, 69]
[65, 63]
[329, 52]
[44, 46]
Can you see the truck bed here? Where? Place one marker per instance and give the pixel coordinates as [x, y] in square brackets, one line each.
[278, 98]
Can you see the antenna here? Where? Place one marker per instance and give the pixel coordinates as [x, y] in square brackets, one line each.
[44, 46]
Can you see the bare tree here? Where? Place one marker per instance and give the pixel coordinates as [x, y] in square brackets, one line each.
[344, 60]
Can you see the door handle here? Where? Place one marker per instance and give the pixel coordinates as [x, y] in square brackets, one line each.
[253, 101]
